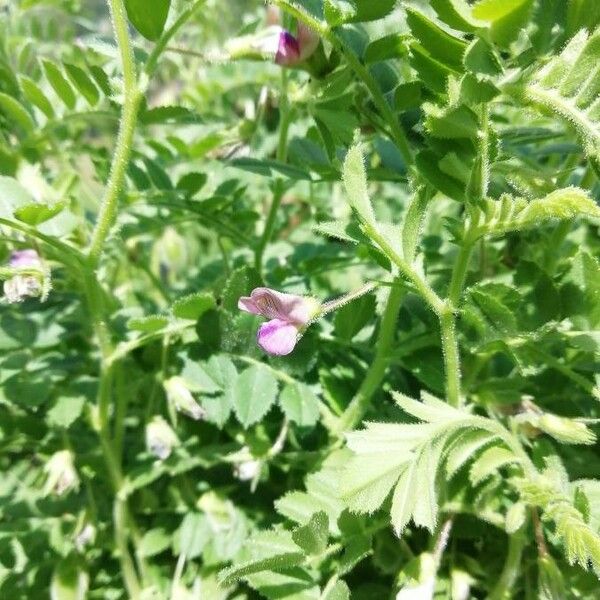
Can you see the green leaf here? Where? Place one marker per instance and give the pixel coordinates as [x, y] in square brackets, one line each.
[407, 95]
[426, 467]
[148, 16]
[568, 86]
[255, 391]
[467, 445]
[240, 283]
[352, 317]
[386, 48]
[493, 10]
[457, 14]
[59, 83]
[83, 82]
[36, 96]
[300, 404]
[148, 324]
[428, 164]
[154, 541]
[192, 307]
[66, 410]
[438, 43]
[265, 551]
[452, 122]
[69, 582]
[337, 12]
[12, 196]
[16, 112]
[313, 536]
[404, 499]
[515, 517]
[36, 213]
[339, 590]
[490, 461]
[193, 535]
[481, 58]
[354, 177]
[432, 73]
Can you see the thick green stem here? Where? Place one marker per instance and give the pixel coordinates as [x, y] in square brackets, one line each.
[129, 575]
[372, 381]
[451, 357]
[459, 273]
[503, 590]
[129, 115]
[279, 187]
[423, 288]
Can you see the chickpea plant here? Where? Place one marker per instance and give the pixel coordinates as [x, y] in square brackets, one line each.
[300, 300]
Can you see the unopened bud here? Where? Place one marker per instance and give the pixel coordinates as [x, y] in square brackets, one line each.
[85, 537]
[565, 430]
[179, 395]
[30, 279]
[160, 438]
[170, 253]
[247, 470]
[61, 474]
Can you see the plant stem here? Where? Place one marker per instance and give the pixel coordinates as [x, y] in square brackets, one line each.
[129, 575]
[168, 35]
[423, 288]
[131, 104]
[512, 565]
[451, 357]
[459, 273]
[376, 372]
[279, 187]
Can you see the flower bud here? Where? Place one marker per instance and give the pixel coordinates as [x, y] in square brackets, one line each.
[85, 537]
[169, 254]
[61, 474]
[247, 470]
[30, 280]
[276, 44]
[565, 430]
[160, 438]
[179, 395]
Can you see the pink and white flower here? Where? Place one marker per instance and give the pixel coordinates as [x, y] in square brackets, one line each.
[30, 279]
[277, 44]
[289, 316]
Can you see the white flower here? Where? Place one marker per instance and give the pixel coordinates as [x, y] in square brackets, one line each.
[179, 395]
[31, 278]
[61, 474]
[247, 470]
[160, 438]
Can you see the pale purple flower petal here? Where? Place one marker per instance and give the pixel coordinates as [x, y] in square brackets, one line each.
[277, 337]
[21, 259]
[308, 40]
[298, 310]
[288, 52]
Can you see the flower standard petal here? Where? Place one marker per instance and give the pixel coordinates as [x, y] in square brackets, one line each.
[277, 337]
[288, 52]
[271, 304]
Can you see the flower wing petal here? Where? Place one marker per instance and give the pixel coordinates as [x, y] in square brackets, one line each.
[277, 337]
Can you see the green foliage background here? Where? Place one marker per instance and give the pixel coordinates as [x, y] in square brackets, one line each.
[434, 438]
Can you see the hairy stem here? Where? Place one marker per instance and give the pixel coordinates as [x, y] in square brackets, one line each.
[459, 274]
[279, 188]
[355, 411]
[451, 357]
[503, 590]
[129, 115]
